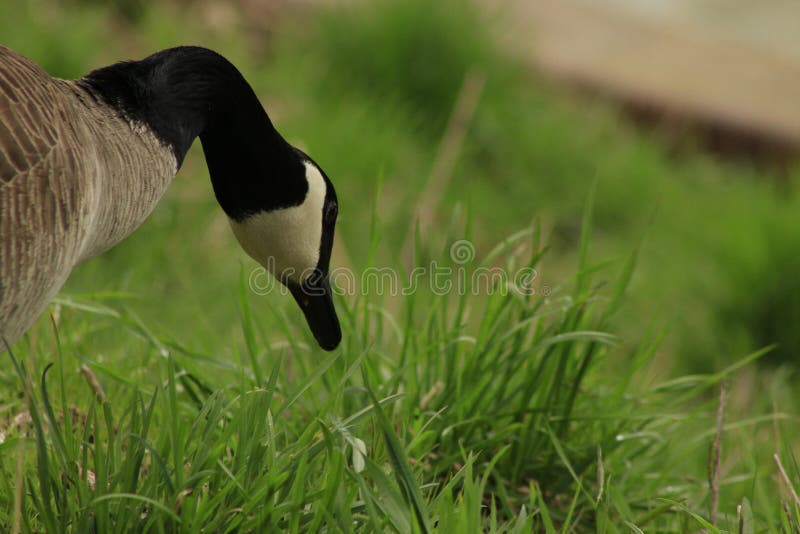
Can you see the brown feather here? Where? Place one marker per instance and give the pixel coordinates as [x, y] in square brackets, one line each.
[75, 179]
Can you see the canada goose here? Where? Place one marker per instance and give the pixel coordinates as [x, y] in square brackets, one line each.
[83, 162]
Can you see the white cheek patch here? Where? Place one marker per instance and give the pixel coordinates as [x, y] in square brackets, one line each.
[286, 241]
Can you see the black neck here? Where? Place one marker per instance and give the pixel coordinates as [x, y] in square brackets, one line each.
[186, 92]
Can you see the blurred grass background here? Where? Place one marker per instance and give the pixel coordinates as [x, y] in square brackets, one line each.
[369, 94]
[369, 91]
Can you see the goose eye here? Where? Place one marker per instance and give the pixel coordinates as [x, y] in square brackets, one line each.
[330, 212]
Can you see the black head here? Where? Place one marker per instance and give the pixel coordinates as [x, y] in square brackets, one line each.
[294, 242]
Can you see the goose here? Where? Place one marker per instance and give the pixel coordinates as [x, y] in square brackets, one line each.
[84, 162]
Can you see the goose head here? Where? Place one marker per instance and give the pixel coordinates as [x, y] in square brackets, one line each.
[293, 240]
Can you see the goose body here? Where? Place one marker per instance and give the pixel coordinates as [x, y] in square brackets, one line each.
[84, 162]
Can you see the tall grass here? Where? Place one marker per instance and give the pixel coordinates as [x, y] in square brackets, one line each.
[462, 412]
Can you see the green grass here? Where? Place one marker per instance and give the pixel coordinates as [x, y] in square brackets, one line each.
[552, 412]
[460, 413]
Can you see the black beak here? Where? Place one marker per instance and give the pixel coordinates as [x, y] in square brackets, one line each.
[315, 299]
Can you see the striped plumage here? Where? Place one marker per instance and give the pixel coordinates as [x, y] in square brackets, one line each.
[79, 171]
[59, 155]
